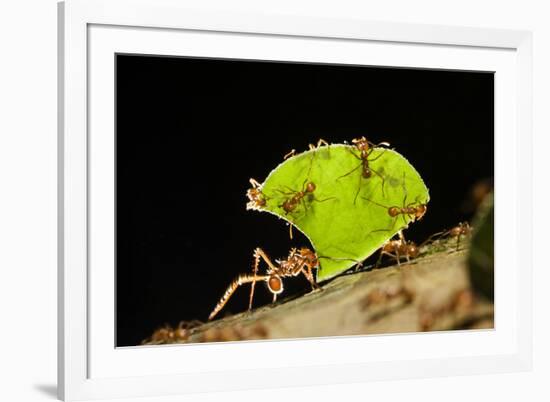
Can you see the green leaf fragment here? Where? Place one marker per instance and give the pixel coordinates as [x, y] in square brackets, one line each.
[346, 217]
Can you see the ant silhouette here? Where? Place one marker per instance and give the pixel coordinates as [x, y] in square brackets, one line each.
[365, 149]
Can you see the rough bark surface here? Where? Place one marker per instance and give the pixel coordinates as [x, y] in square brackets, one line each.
[429, 294]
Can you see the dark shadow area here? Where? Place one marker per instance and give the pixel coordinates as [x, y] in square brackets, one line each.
[191, 132]
[49, 390]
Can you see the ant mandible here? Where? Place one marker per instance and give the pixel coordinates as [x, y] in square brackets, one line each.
[299, 261]
[365, 149]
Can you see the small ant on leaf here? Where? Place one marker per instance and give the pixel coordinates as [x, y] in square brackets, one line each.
[302, 197]
[365, 149]
[299, 261]
[257, 199]
[414, 210]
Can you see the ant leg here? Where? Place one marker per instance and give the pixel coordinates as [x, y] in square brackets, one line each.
[351, 171]
[382, 252]
[258, 253]
[378, 156]
[290, 225]
[374, 202]
[401, 236]
[324, 199]
[404, 190]
[254, 272]
[314, 149]
[274, 297]
[397, 256]
[358, 189]
[240, 280]
[319, 144]
[291, 191]
[309, 276]
[289, 154]
[458, 241]
[304, 202]
[429, 239]
[383, 181]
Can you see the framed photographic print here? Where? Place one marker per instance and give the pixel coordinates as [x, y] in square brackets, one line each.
[250, 198]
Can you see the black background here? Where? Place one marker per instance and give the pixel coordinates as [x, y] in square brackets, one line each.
[191, 132]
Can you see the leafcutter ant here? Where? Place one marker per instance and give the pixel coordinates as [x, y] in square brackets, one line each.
[414, 210]
[460, 230]
[257, 199]
[299, 261]
[303, 197]
[167, 334]
[365, 149]
[401, 248]
[398, 248]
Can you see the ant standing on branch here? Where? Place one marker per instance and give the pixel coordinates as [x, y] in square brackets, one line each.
[299, 261]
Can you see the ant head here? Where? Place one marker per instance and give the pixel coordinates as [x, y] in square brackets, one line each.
[275, 284]
[420, 211]
[310, 256]
[454, 232]
[361, 143]
[412, 250]
[310, 187]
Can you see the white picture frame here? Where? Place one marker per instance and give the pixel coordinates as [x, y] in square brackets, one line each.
[90, 367]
